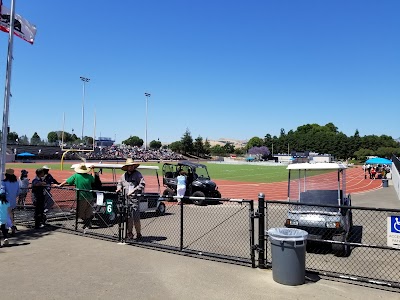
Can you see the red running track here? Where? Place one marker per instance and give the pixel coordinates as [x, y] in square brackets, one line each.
[246, 190]
[355, 184]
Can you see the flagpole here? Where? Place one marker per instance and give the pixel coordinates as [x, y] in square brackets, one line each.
[7, 90]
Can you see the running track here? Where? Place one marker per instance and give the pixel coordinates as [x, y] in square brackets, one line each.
[356, 184]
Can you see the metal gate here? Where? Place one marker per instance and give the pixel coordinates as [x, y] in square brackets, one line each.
[372, 259]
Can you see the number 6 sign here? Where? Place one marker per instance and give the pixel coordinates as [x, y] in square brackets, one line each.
[109, 207]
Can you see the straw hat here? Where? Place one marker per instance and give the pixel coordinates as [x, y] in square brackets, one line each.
[10, 171]
[46, 167]
[82, 169]
[130, 162]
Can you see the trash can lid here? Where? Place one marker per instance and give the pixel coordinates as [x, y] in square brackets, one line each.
[287, 234]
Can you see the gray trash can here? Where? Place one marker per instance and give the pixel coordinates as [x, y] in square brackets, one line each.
[385, 183]
[288, 248]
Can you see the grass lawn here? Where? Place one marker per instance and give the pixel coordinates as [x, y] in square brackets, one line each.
[244, 173]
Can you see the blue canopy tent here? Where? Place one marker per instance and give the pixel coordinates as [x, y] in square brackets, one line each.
[25, 157]
[378, 161]
[25, 154]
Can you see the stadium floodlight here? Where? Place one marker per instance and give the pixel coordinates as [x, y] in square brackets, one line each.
[147, 95]
[85, 80]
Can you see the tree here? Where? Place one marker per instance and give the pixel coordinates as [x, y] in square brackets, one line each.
[133, 141]
[254, 142]
[187, 142]
[23, 140]
[218, 150]
[207, 147]
[35, 139]
[88, 140]
[52, 137]
[198, 146]
[262, 151]
[155, 144]
[12, 137]
[229, 147]
[176, 146]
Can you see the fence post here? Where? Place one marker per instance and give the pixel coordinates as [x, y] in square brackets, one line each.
[121, 215]
[181, 225]
[261, 231]
[77, 209]
[252, 237]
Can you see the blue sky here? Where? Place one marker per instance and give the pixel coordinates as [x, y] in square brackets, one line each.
[222, 69]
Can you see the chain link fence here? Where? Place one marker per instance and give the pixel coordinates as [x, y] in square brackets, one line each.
[220, 229]
[363, 254]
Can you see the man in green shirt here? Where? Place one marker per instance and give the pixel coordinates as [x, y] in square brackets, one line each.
[83, 182]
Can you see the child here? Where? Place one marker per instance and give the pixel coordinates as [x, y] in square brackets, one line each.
[5, 215]
[181, 186]
[23, 187]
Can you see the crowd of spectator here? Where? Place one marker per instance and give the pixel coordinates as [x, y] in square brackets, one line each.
[124, 152]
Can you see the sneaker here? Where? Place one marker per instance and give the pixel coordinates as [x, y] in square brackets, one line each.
[139, 237]
[6, 242]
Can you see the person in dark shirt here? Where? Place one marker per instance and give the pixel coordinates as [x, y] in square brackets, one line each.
[38, 190]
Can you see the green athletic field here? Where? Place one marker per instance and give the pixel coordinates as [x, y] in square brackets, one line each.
[244, 173]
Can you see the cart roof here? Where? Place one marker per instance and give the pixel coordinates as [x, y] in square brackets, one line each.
[114, 166]
[317, 166]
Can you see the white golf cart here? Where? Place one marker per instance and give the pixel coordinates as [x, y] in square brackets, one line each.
[316, 185]
[105, 207]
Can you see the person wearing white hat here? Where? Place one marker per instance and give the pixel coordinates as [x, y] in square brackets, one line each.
[132, 183]
[83, 182]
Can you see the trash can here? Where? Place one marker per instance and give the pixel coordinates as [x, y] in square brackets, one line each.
[288, 248]
[385, 183]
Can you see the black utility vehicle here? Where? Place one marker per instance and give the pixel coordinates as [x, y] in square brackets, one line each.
[198, 182]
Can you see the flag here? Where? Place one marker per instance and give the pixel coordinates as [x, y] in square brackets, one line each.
[22, 28]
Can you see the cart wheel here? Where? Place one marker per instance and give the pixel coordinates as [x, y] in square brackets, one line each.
[161, 209]
[168, 193]
[198, 201]
[340, 250]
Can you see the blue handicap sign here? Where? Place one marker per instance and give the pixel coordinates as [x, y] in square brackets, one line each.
[395, 224]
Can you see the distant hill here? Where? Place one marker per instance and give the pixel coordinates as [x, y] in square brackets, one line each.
[223, 141]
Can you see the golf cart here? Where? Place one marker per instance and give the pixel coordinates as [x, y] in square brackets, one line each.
[317, 188]
[105, 208]
[198, 182]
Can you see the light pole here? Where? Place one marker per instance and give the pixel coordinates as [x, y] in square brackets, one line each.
[85, 80]
[147, 95]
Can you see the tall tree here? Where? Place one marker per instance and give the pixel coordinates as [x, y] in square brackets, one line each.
[52, 137]
[35, 139]
[187, 142]
[198, 146]
[207, 147]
